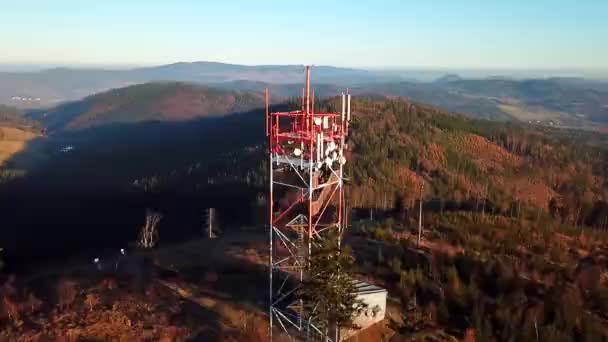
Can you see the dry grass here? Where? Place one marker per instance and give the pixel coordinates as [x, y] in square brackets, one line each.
[213, 296]
[12, 141]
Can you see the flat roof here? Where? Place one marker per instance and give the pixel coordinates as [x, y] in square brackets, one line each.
[366, 288]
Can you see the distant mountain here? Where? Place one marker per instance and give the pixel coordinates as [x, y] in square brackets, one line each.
[570, 102]
[573, 101]
[436, 95]
[209, 72]
[50, 87]
[163, 101]
[448, 78]
[563, 102]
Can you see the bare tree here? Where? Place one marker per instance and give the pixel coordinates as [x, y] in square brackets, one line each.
[209, 220]
[33, 303]
[148, 236]
[67, 291]
[420, 216]
[11, 308]
[92, 300]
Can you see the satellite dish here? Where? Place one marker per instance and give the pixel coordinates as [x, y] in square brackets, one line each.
[96, 260]
[318, 121]
[343, 160]
[334, 155]
[297, 152]
[319, 164]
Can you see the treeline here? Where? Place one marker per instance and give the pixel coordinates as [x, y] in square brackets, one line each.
[13, 117]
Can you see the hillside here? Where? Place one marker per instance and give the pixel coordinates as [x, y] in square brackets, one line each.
[562, 102]
[149, 102]
[504, 204]
[16, 131]
[14, 117]
[12, 141]
[464, 162]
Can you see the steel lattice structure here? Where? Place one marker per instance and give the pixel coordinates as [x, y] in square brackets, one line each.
[306, 155]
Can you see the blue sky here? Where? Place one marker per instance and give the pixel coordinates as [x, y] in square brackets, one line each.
[507, 34]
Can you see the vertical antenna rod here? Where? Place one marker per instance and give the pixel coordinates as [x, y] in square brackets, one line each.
[343, 106]
[308, 89]
[348, 108]
[266, 95]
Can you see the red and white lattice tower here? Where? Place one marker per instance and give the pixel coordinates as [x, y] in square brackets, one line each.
[306, 202]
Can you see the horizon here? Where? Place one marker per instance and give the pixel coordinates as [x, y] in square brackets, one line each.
[419, 73]
[391, 35]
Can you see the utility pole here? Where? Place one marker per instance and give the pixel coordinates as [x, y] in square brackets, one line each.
[210, 223]
[420, 215]
[483, 205]
[518, 209]
[208, 218]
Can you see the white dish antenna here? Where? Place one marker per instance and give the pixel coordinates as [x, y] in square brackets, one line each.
[297, 152]
[318, 121]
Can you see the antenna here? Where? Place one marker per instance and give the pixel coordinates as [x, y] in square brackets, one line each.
[343, 106]
[266, 96]
[319, 179]
[348, 108]
[308, 89]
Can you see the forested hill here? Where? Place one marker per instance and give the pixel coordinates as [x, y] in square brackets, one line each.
[396, 145]
[399, 145]
[162, 101]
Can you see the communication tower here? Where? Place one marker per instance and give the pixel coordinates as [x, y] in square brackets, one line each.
[307, 157]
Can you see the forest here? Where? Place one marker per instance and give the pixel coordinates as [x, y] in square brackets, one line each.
[514, 215]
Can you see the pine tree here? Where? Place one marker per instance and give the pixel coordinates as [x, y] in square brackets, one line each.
[329, 289]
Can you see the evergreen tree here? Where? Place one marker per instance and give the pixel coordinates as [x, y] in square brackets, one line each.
[329, 290]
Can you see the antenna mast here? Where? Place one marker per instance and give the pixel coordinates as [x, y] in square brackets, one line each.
[306, 162]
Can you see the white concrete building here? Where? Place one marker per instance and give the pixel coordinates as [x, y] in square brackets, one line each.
[375, 298]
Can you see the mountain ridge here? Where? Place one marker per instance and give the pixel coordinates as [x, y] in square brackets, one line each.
[561, 101]
[157, 101]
